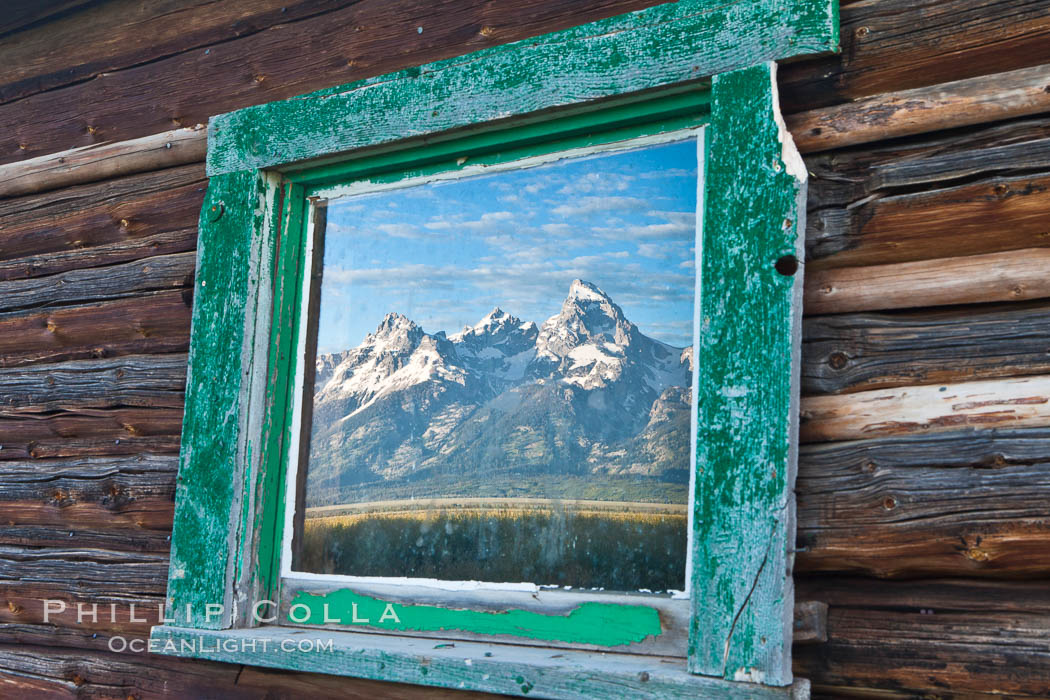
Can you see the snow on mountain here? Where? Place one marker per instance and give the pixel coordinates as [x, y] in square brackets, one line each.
[587, 390]
[499, 345]
[398, 355]
[590, 343]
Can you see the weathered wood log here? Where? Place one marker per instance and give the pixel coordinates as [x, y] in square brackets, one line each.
[29, 435]
[156, 322]
[362, 40]
[88, 47]
[976, 100]
[21, 15]
[886, 653]
[1013, 275]
[16, 634]
[858, 352]
[104, 161]
[962, 448]
[942, 166]
[167, 243]
[137, 540]
[844, 178]
[54, 672]
[974, 497]
[134, 380]
[911, 521]
[897, 44]
[97, 284]
[984, 217]
[89, 422]
[91, 447]
[1007, 403]
[86, 569]
[116, 495]
[126, 210]
[103, 612]
[931, 596]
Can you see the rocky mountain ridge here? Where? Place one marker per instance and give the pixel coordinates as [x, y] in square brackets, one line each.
[584, 396]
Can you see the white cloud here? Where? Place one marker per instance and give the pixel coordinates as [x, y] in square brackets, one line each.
[651, 250]
[675, 225]
[557, 229]
[401, 230]
[598, 183]
[668, 172]
[592, 205]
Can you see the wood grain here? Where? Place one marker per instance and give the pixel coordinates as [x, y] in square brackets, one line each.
[973, 498]
[893, 521]
[127, 214]
[1008, 153]
[103, 161]
[848, 177]
[128, 250]
[363, 39]
[934, 595]
[20, 14]
[123, 33]
[856, 352]
[153, 322]
[86, 569]
[892, 115]
[893, 45]
[1014, 275]
[998, 214]
[133, 380]
[134, 540]
[887, 653]
[41, 671]
[86, 431]
[118, 281]
[1007, 403]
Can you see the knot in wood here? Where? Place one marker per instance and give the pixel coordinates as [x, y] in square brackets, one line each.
[838, 360]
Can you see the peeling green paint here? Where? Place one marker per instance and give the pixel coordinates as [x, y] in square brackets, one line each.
[214, 442]
[595, 623]
[652, 48]
[748, 385]
[505, 98]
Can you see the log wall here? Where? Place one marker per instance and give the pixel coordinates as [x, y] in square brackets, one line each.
[924, 476]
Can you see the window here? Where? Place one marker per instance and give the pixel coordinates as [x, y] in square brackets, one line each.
[498, 356]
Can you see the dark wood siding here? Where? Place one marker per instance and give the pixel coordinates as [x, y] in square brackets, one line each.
[930, 542]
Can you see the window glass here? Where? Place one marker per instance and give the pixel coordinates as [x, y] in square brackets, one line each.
[503, 378]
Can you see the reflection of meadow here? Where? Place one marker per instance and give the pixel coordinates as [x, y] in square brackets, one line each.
[590, 548]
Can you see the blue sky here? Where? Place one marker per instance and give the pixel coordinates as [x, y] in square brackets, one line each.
[444, 254]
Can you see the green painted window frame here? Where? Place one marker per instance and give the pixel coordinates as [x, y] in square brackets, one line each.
[683, 63]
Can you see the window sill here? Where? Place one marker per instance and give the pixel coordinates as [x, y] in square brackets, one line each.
[494, 668]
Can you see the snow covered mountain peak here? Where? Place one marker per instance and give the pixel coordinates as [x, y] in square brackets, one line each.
[588, 390]
[499, 344]
[396, 334]
[587, 315]
[580, 290]
[495, 323]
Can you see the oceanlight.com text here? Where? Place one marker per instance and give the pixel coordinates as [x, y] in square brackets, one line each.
[203, 645]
